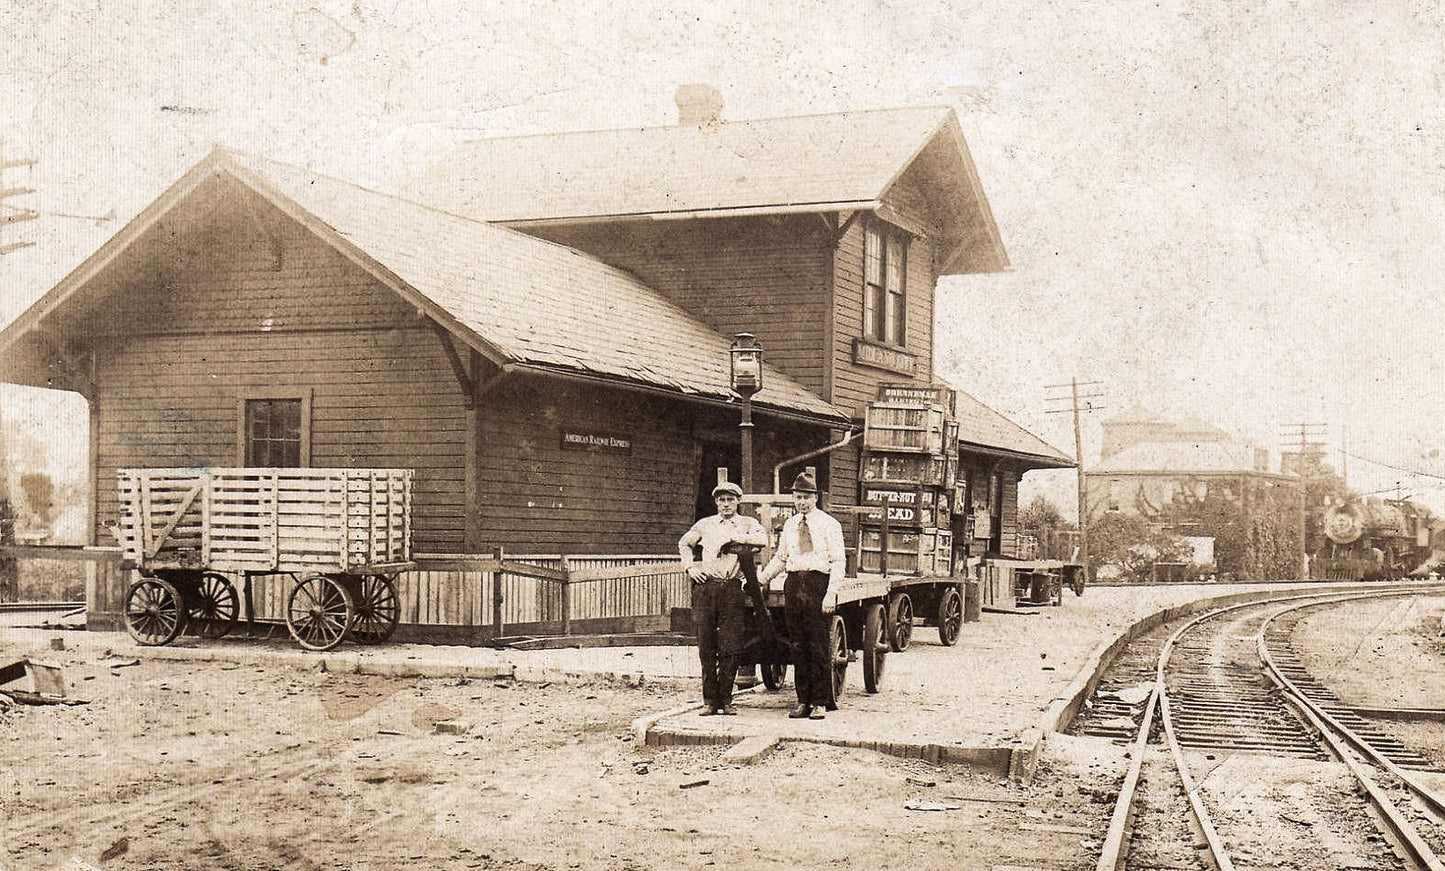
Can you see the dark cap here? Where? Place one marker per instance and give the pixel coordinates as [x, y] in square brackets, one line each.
[727, 487]
[804, 483]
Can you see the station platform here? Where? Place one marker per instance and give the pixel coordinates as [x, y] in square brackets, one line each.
[987, 702]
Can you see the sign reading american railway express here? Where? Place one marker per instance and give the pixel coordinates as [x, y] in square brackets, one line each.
[597, 442]
[866, 353]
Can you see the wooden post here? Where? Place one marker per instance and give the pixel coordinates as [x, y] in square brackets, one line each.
[566, 595]
[497, 594]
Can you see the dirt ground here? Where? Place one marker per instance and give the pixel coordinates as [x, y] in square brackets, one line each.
[181, 765]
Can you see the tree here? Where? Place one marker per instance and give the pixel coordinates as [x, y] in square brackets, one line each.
[1042, 520]
[1133, 546]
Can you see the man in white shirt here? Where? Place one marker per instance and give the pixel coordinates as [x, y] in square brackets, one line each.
[811, 551]
[718, 603]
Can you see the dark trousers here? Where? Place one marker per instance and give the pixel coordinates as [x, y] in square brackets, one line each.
[717, 617]
[808, 633]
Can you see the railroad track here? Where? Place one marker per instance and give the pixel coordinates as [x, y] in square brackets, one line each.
[1277, 772]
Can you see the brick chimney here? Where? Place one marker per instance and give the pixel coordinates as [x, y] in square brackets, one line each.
[698, 105]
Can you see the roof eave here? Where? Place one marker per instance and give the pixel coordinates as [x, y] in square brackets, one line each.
[837, 418]
[109, 251]
[1035, 461]
[690, 214]
[981, 251]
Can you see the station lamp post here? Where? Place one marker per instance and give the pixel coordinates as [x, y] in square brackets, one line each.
[746, 379]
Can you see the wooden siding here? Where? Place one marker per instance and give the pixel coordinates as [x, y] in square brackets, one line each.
[238, 311]
[378, 400]
[537, 496]
[854, 386]
[1008, 520]
[767, 276]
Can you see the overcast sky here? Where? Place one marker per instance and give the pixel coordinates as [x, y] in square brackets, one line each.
[1226, 212]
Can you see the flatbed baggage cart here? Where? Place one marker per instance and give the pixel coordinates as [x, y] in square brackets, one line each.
[857, 632]
[341, 535]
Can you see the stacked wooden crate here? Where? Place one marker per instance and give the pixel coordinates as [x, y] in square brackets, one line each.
[910, 461]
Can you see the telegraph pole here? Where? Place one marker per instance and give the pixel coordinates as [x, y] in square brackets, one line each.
[9, 570]
[1309, 453]
[1076, 407]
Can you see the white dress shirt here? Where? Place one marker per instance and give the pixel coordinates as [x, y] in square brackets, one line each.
[828, 554]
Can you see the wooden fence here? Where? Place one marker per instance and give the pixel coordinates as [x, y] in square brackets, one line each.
[474, 597]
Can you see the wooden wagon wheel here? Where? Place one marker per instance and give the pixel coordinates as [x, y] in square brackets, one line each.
[838, 652]
[378, 610]
[319, 612]
[212, 605]
[875, 648]
[900, 621]
[153, 611]
[950, 616]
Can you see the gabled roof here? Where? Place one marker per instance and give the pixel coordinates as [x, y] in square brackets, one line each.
[982, 428]
[817, 163]
[521, 302]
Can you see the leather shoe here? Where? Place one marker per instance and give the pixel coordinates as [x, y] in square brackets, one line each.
[800, 712]
[831, 706]
[710, 712]
[728, 711]
[815, 714]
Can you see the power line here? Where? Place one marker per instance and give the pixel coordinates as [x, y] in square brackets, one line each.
[1074, 399]
[1398, 468]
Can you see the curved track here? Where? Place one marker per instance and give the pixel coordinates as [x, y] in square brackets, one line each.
[1275, 770]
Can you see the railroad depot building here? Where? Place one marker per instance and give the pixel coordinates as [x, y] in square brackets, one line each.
[540, 329]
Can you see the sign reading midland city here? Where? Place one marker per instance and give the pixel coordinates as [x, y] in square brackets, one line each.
[597, 442]
[867, 353]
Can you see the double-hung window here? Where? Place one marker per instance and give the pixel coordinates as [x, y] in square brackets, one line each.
[275, 432]
[884, 294]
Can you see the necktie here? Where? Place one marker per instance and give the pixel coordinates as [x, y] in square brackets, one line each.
[805, 538]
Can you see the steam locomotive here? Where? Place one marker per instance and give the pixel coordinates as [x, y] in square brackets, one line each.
[1375, 538]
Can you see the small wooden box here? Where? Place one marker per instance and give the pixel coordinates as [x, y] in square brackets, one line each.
[906, 428]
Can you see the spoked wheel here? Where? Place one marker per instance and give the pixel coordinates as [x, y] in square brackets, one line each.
[875, 648]
[378, 610]
[838, 648]
[772, 674]
[212, 606]
[319, 612]
[900, 621]
[950, 616]
[153, 612]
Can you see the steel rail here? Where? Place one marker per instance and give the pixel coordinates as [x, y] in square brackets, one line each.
[1341, 737]
[1294, 694]
[1114, 851]
[1420, 851]
[1218, 856]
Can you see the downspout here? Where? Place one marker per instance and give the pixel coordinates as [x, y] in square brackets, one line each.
[777, 470]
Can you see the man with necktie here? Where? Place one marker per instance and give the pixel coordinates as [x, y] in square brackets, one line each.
[810, 550]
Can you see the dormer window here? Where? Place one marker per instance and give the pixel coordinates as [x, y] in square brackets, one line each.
[884, 297]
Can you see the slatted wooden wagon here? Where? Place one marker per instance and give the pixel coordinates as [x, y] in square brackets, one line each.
[342, 535]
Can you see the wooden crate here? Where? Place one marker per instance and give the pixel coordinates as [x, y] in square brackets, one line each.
[905, 428]
[910, 551]
[252, 519]
[911, 393]
[904, 468]
[908, 505]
